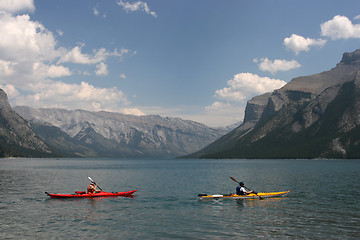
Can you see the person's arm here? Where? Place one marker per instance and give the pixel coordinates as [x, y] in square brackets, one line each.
[96, 190]
[248, 192]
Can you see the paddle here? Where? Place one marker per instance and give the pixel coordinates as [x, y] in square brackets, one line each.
[246, 187]
[95, 183]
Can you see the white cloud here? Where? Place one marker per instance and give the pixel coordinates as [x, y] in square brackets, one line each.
[14, 6]
[6, 68]
[298, 43]
[340, 27]
[246, 85]
[101, 69]
[75, 55]
[357, 17]
[136, 6]
[27, 50]
[52, 71]
[276, 65]
[53, 94]
[231, 100]
[10, 90]
[133, 111]
[22, 38]
[31, 63]
[122, 75]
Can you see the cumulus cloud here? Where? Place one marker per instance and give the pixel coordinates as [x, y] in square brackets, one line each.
[27, 51]
[6, 68]
[85, 96]
[52, 71]
[101, 69]
[277, 65]
[298, 43]
[14, 6]
[25, 39]
[27, 48]
[231, 100]
[136, 6]
[10, 90]
[31, 63]
[246, 85]
[340, 27]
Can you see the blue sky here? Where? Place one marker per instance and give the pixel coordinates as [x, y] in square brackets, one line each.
[195, 59]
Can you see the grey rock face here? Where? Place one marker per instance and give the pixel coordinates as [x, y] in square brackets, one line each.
[16, 136]
[321, 88]
[255, 107]
[311, 116]
[128, 135]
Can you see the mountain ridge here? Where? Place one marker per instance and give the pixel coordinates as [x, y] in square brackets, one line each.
[17, 139]
[121, 135]
[298, 112]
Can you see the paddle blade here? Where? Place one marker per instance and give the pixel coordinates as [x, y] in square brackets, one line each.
[90, 179]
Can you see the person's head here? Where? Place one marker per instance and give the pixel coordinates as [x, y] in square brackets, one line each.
[241, 184]
[92, 183]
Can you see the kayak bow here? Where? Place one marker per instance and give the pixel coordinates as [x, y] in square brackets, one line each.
[83, 194]
[249, 196]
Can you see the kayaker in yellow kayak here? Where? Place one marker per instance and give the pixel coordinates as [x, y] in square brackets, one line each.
[242, 190]
[92, 188]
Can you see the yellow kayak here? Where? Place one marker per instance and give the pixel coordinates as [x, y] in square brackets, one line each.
[249, 196]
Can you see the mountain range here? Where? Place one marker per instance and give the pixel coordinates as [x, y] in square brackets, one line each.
[316, 116]
[106, 134]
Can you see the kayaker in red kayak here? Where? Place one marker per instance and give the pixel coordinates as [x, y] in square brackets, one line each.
[92, 188]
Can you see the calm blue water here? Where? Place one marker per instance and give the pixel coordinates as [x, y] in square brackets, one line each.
[323, 203]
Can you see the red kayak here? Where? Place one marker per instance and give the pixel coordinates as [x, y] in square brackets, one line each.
[79, 194]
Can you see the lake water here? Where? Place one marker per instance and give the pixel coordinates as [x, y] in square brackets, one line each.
[323, 202]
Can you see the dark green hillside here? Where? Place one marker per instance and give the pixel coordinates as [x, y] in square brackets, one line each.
[8, 149]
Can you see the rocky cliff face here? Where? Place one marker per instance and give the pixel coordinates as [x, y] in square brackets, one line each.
[303, 119]
[114, 134]
[16, 137]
